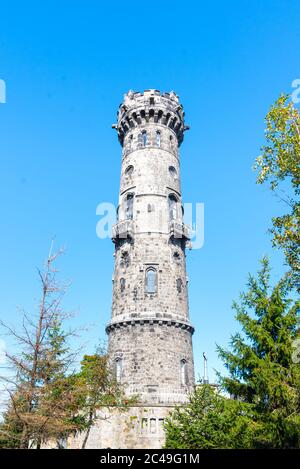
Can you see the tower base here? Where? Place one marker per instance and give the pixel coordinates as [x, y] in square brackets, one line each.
[137, 427]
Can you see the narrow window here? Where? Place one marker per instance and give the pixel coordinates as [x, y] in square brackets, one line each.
[144, 426]
[172, 207]
[158, 138]
[129, 170]
[151, 280]
[153, 428]
[125, 259]
[129, 207]
[183, 372]
[179, 285]
[172, 172]
[144, 138]
[171, 142]
[122, 284]
[176, 256]
[118, 369]
[161, 425]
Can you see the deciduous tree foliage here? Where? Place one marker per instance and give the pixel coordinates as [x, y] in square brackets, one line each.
[98, 388]
[279, 164]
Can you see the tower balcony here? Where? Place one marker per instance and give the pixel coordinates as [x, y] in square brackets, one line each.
[179, 230]
[123, 230]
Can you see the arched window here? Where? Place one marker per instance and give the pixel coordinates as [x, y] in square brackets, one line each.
[179, 285]
[122, 284]
[183, 372]
[129, 170]
[151, 280]
[172, 172]
[171, 142]
[172, 207]
[158, 138]
[118, 369]
[144, 138]
[129, 207]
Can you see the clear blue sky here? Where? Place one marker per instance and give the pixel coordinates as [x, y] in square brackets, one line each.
[66, 66]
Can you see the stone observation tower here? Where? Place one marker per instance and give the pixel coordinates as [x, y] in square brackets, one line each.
[150, 335]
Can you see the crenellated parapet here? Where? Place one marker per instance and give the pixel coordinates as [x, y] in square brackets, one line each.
[150, 107]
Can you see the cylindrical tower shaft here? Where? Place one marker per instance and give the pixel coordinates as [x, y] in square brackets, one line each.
[150, 336]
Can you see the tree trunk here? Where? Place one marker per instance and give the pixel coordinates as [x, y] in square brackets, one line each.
[88, 430]
[24, 438]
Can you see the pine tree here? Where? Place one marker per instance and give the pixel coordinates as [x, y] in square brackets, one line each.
[210, 421]
[39, 393]
[260, 360]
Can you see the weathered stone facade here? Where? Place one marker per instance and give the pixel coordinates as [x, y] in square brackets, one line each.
[150, 333]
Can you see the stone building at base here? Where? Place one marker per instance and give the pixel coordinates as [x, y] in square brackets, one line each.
[138, 427]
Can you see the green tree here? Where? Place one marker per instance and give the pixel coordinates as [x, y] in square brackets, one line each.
[263, 380]
[210, 421]
[10, 431]
[48, 400]
[260, 360]
[97, 388]
[39, 394]
[279, 164]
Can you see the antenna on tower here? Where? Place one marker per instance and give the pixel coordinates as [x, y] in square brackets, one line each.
[205, 376]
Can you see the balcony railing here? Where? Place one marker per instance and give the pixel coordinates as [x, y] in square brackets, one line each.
[158, 394]
[123, 230]
[179, 230]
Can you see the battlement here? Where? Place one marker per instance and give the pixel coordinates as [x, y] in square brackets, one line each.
[150, 97]
[150, 107]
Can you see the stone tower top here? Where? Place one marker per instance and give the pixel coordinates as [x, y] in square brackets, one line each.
[151, 106]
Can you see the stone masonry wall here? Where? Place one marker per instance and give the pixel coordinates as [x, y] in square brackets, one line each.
[150, 336]
[152, 352]
[138, 427]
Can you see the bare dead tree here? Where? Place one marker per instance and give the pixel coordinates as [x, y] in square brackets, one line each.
[46, 399]
[40, 365]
